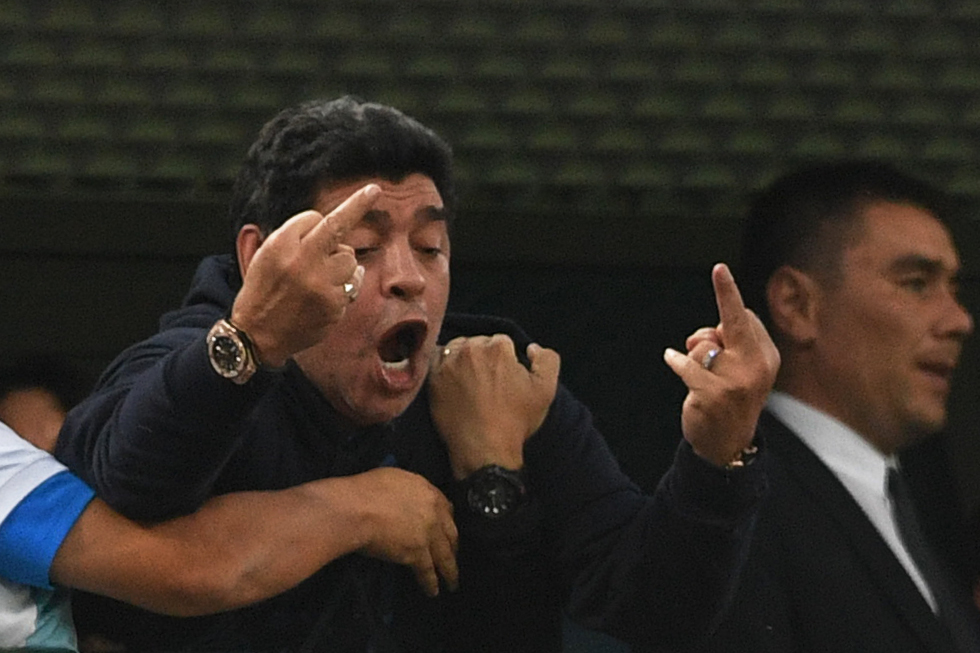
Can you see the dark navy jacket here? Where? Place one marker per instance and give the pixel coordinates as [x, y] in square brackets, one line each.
[162, 433]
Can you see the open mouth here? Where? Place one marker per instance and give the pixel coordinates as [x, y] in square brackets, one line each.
[400, 344]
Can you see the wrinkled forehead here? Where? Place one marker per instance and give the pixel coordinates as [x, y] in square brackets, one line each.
[414, 193]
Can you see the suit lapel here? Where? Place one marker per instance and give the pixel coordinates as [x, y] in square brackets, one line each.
[894, 583]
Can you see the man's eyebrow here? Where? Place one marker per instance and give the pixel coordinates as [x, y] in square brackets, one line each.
[919, 263]
[378, 218]
[434, 213]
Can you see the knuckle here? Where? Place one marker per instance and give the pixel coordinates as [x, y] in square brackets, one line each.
[738, 389]
[695, 402]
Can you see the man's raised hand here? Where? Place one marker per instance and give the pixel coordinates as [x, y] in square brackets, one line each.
[299, 279]
[723, 403]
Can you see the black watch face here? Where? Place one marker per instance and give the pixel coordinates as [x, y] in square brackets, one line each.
[494, 496]
[227, 354]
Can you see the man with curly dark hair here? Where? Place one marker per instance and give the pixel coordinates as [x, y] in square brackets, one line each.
[323, 348]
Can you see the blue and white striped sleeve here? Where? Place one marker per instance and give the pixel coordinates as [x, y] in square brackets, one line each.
[40, 501]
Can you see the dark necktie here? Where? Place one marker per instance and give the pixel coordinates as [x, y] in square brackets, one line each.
[955, 611]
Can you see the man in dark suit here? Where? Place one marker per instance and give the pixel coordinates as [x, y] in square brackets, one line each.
[855, 273]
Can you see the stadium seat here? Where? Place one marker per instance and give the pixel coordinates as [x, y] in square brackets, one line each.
[95, 129]
[199, 20]
[70, 16]
[15, 15]
[139, 18]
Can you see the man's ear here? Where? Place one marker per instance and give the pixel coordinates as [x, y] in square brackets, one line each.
[249, 239]
[793, 298]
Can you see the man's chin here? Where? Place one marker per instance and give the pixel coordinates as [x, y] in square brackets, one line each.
[379, 410]
[927, 424]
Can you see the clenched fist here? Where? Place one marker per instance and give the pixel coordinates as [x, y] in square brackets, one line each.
[485, 403]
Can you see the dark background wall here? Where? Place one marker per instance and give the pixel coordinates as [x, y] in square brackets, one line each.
[606, 150]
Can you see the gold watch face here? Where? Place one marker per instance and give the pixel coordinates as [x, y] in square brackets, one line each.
[227, 355]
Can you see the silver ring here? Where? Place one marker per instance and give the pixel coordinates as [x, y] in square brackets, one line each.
[709, 359]
[350, 290]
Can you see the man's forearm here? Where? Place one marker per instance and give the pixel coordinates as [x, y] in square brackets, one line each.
[237, 549]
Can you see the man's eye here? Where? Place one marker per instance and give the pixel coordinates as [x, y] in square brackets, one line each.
[363, 252]
[915, 284]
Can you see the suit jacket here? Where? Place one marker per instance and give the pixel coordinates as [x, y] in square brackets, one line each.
[819, 576]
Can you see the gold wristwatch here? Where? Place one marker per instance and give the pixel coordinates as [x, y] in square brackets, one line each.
[231, 352]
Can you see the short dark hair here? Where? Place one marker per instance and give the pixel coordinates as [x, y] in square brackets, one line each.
[319, 142]
[806, 218]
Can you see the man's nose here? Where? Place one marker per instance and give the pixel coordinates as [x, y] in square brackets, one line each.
[958, 321]
[403, 274]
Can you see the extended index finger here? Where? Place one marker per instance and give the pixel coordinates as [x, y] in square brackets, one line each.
[335, 224]
[731, 308]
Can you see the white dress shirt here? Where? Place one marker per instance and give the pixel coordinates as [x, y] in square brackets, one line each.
[859, 466]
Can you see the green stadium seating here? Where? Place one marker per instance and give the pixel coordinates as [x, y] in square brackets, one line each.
[922, 111]
[727, 106]
[164, 58]
[500, 66]
[622, 141]
[472, 28]
[32, 54]
[949, 149]
[610, 32]
[70, 16]
[882, 146]
[542, 29]
[904, 78]
[15, 15]
[819, 145]
[271, 22]
[189, 93]
[806, 35]
[831, 73]
[747, 143]
[552, 138]
[693, 100]
[95, 129]
[109, 166]
[63, 90]
[92, 53]
[22, 126]
[120, 91]
[910, 9]
[202, 20]
[139, 18]
[858, 110]
[740, 34]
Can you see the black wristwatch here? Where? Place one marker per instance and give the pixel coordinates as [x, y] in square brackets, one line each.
[230, 352]
[494, 491]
